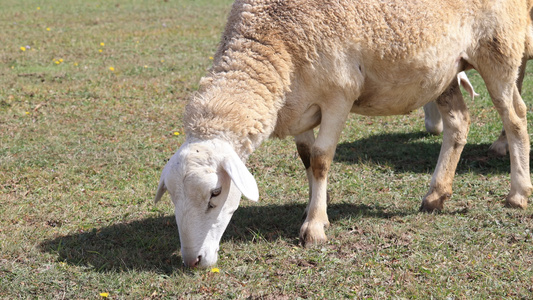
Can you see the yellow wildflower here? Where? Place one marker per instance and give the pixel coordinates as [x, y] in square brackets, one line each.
[57, 62]
[60, 60]
[111, 69]
[211, 58]
[100, 50]
[48, 29]
[104, 295]
[27, 112]
[75, 64]
[38, 8]
[215, 270]
[176, 133]
[102, 44]
[22, 48]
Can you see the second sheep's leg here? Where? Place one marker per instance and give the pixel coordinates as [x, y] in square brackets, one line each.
[456, 121]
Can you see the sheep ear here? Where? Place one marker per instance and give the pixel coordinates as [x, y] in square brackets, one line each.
[241, 177]
[162, 188]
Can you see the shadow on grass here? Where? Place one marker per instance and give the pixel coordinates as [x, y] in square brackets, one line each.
[408, 152]
[153, 244]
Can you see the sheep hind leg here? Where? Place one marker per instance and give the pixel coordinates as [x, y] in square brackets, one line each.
[500, 146]
[512, 110]
[456, 121]
[334, 116]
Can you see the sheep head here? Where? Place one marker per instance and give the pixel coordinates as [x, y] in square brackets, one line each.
[205, 180]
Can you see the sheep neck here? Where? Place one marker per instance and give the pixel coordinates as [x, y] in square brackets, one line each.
[240, 99]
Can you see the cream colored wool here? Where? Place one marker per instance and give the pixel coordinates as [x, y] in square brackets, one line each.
[391, 56]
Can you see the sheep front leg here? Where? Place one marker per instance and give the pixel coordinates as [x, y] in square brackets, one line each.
[321, 154]
[456, 121]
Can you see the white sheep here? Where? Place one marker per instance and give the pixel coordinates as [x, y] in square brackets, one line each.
[284, 67]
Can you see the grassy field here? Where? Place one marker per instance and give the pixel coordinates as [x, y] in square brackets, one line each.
[91, 99]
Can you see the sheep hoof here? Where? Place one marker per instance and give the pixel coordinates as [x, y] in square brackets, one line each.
[312, 233]
[498, 148]
[433, 202]
[516, 201]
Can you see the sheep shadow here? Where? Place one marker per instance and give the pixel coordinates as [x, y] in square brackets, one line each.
[410, 152]
[152, 244]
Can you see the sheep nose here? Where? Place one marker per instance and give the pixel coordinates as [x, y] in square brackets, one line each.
[193, 263]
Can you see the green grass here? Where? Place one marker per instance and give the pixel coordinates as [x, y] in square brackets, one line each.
[82, 148]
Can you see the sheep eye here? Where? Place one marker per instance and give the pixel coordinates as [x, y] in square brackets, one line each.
[216, 192]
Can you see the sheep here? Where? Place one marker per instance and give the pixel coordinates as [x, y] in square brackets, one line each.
[284, 67]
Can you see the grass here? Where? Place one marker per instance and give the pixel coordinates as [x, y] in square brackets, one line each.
[82, 147]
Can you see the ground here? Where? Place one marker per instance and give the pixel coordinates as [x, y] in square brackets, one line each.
[91, 99]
